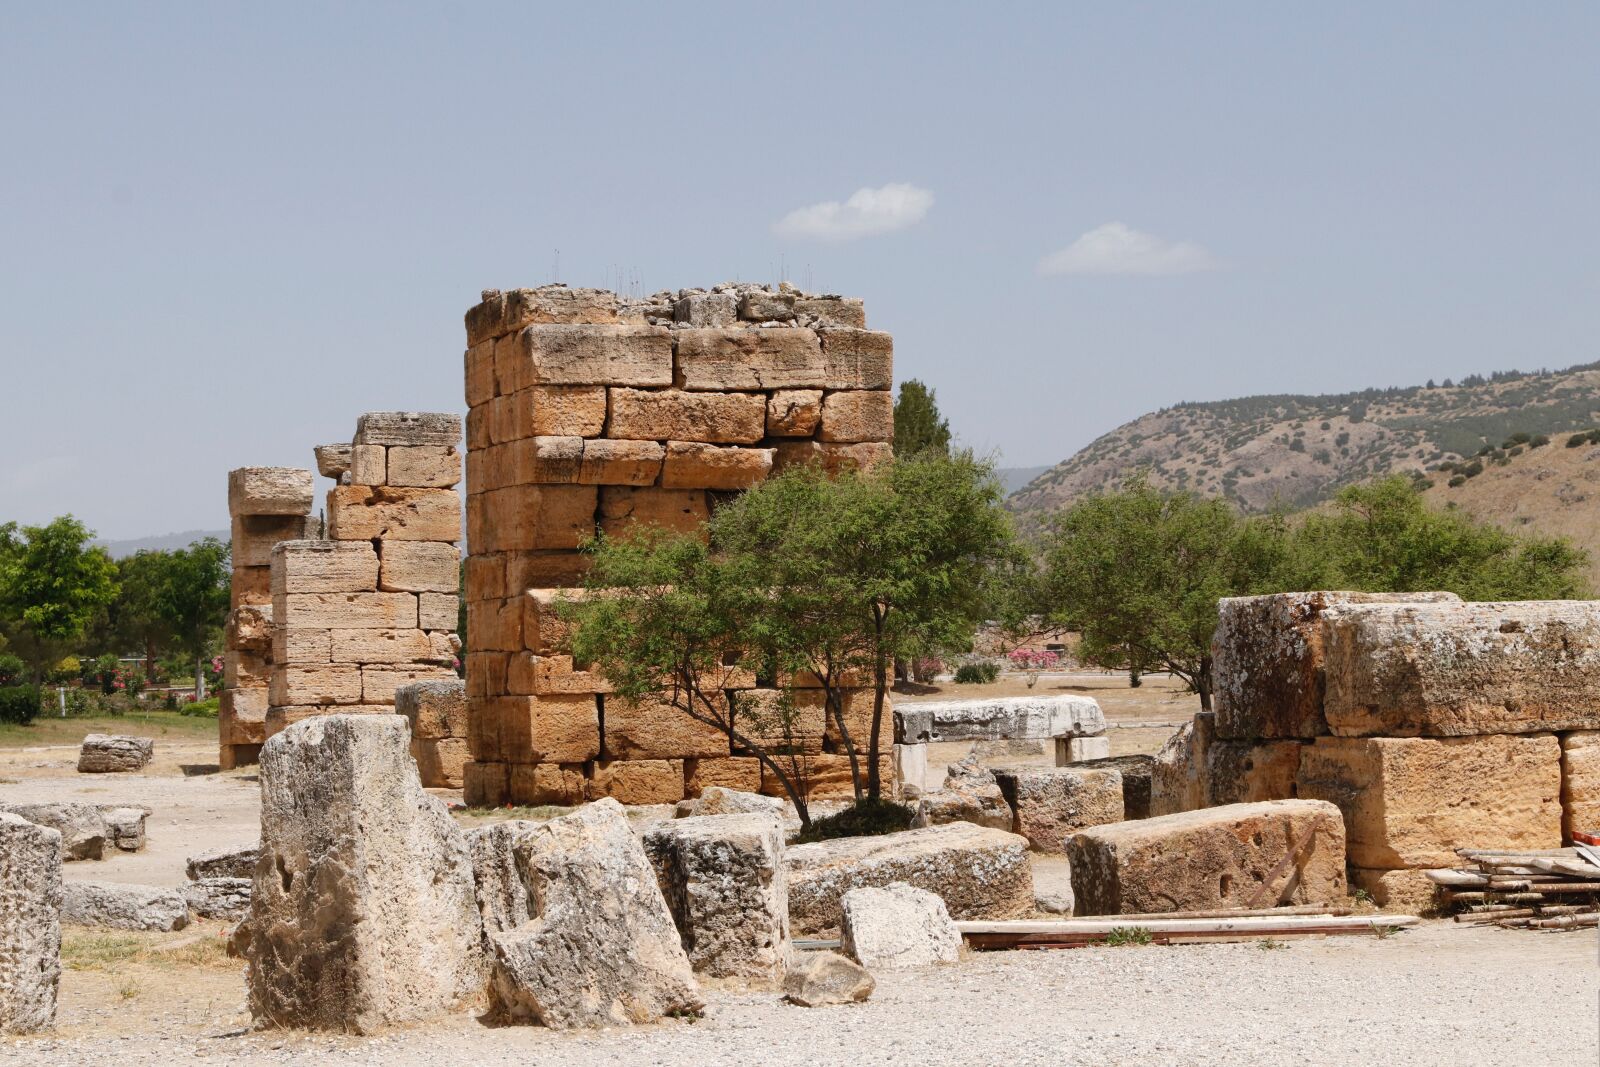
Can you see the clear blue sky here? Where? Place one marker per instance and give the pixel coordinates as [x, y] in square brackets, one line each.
[226, 230]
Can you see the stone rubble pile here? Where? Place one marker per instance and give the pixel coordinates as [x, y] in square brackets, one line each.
[590, 413]
[268, 505]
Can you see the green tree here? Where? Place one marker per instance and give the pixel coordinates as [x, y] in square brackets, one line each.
[918, 426]
[53, 582]
[134, 619]
[193, 600]
[1138, 572]
[1382, 537]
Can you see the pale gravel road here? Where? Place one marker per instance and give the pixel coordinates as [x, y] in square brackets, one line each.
[1440, 994]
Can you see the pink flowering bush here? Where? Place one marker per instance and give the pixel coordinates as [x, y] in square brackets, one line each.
[1033, 662]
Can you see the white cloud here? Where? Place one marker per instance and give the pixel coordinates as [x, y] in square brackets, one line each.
[867, 213]
[1118, 249]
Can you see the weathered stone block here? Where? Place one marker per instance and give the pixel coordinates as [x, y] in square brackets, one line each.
[562, 410]
[706, 309]
[832, 459]
[218, 898]
[690, 465]
[1580, 782]
[344, 611]
[979, 873]
[640, 781]
[254, 536]
[1051, 804]
[333, 461]
[544, 631]
[434, 709]
[369, 465]
[301, 645]
[579, 934]
[408, 428]
[249, 629]
[485, 784]
[1001, 717]
[246, 670]
[1177, 779]
[419, 567]
[1412, 801]
[534, 517]
[1235, 856]
[119, 906]
[547, 783]
[794, 412]
[857, 359]
[820, 979]
[30, 925]
[781, 721]
[1407, 891]
[759, 305]
[315, 685]
[378, 684]
[650, 729]
[425, 466]
[242, 716]
[724, 881]
[832, 311]
[106, 753]
[439, 612]
[530, 673]
[1136, 773]
[857, 415]
[677, 415]
[251, 585]
[742, 358]
[441, 761]
[269, 491]
[1071, 750]
[741, 773]
[1446, 670]
[366, 513]
[82, 827]
[1241, 772]
[553, 729]
[501, 313]
[324, 567]
[1269, 660]
[673, 510]
[607, 462]
[125, 826]
[897, 926]
[585, 355]
[224, 863]
[546, 569]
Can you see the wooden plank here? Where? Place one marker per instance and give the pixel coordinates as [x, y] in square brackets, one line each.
[1255, 926]
[1289, 857]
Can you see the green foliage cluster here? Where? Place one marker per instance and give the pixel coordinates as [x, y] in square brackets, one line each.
[1578, 440]
[977, 673]
[1139, 571]
[918, 426]
[865, 818]
[19, 704]
[838, 578]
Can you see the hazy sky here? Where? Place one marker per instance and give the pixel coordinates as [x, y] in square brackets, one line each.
[226, 230]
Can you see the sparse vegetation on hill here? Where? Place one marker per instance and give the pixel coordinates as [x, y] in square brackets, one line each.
[1290, 451]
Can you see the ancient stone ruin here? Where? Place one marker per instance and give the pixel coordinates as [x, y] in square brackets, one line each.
[592, 413]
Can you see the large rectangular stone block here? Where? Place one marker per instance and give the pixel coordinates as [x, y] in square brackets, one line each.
[857, 415]
[408, 428]
[794, 412]
[366, 513]
[438, 611]
[419, 567]
[1412, 801]
[502, 312]
[434, 709]
[534, 517]
[30, 924]
[548, 729]
[1580, 783]
[832, 459]
[1446, 670]
[1178, 775]
[638, 781]
[323, 567]
[345, 611]
[742, 773]
[825, 311]
[424, 466]
[531, 674]
[254, 536]
[1049, 805]
[1269, 657]
[585, 355]
[674, 510]
[559, 410]
[328, 684]
[369, 465]
[742, 358]
[999, 718]
[691, 465]
[1244, 772]
[547, 783]
[302, 645]
[378, 684]
[607, 462]
[380, 646]
[245, 670]
[678, 415]
[857, 359]
[650, 729]
[251, 586]
[441, 761]
[1235, 856]
[546, 569]
[269, 491]
[544, 631]
[477, 366]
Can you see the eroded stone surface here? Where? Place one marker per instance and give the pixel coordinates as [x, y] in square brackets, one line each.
[81, 826]
[109, 753]
[30, 924]
[120, 906]
[1048, 805]
[998, 718]
[819, 979]
[897, 926]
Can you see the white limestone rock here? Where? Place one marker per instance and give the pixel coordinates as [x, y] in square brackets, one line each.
[81, 826]
[111, 754]
[30, 924]
[998, 718]
[118, 906]
[819, 979]
[897, 926]
[218, 898]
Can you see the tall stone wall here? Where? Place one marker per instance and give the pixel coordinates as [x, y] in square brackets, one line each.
[267, 505]
[593, 412]
[374, 605]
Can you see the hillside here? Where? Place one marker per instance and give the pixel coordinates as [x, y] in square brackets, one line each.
[1552, 491]
[161, 542]
[1293, 451]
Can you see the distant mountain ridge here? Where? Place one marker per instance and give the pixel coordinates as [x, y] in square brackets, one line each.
[161, 543]
[1294, 450]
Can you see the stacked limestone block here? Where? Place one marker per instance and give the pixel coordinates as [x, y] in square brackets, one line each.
[268, 505]
[1433, 724]
[374, 606]
[590, 413]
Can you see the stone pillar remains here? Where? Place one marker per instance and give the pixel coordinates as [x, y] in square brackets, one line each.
[590, 412]
[374, 606]
[30, 924]
[268, 505]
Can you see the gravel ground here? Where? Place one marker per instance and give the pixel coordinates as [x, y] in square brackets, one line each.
[1439, 994]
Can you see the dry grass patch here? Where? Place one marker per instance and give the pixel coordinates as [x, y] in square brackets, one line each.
[115, 952]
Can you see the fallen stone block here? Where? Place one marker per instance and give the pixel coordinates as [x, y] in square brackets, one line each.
[81, 826]
[1410, 802]
[579, 934]
[1177, 777]
[897, 926]
[224, 863]
[980, 873]
[30, 924]
[1411, 892]
[269, 491]
[125, 826]
[109, 754]
[978, 804]
[819, 979]
[123, 907]
[1269, 660]
[1448, 670]
[1136, 774]
[1244, 772]
[1071, 750]
[1236, 856]
[362, 910]
[218, 898]
[1050, 804]
[716, 800]
[724, 881]
[997, 719]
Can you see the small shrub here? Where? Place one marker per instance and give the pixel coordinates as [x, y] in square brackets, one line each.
[1458, 481]
[1270, 944]
[1577, 440]
[1539, 441]
[19, 704]
[199, 709]
[977, 673]
[1121, 936]
[865, 818]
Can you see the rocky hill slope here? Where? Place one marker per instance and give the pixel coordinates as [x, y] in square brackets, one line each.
[1293, 451]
